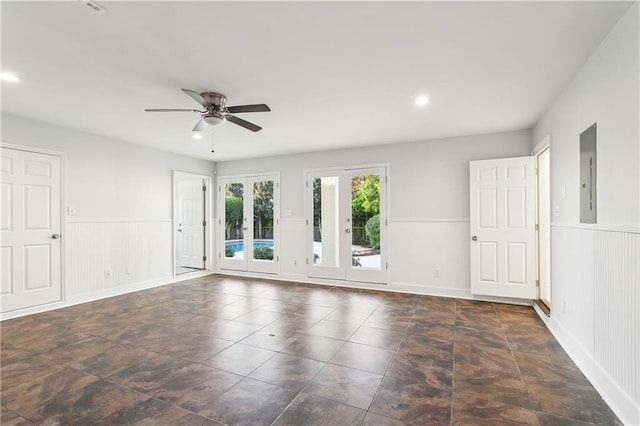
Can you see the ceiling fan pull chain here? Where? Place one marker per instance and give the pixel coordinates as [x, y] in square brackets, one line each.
[212, 150]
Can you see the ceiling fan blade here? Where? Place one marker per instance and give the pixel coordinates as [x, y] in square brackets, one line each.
[171, 110]
[195, 95]
[200, 126]
[249, 108]
[243, 123]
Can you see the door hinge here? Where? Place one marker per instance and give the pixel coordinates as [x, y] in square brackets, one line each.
[277, 221]
[277, 258]
[537, 227]
[386, 265]
[204, 258]
[307, 220]
[386, 179]
[204, 188]
[277, 185]
[306, 184]
[219, 188]
[219, 221]
[204, 223]
[537, 283]
[386, 222]
[307, 260]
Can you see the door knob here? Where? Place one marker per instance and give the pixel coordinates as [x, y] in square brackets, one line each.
[55, 236]
[348, 231]
[474, 238]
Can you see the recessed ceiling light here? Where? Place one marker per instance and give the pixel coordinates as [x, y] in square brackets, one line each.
[421, 100]
[7, 76]
[197, 136]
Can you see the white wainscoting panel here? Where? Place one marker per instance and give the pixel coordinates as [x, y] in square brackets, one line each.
[617, 307]
[595, 312]
[293, 247]
[132, 251]
[420, 247]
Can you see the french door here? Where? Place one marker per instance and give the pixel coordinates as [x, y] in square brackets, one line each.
[249, 217]
[346, 224]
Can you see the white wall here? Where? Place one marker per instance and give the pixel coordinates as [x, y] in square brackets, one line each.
[605, 91]
[429, 204]
[122, 195]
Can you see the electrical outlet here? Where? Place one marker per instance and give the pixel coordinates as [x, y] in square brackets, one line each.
[107, 273]
[437, 272]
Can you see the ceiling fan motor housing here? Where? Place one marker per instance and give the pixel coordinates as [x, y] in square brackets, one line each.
[216, 99]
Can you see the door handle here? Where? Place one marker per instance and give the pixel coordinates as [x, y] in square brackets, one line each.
[56, 236]
[348, 231]
[179, 230]
[474, 238]
[244, 229]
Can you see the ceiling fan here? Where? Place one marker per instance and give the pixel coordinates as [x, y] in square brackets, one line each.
[216, 111]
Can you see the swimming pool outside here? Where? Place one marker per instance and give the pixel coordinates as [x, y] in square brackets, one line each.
[238, 245]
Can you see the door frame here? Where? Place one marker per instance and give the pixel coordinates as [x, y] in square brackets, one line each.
[544, 145]
[385, 232]
[246, 265]
[207, 217]
[63, 219]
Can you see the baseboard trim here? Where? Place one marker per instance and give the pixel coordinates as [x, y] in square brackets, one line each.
[396, 287]
[102, 294]
[625, 408]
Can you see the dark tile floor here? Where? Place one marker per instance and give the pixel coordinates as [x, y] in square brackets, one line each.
[223, 350]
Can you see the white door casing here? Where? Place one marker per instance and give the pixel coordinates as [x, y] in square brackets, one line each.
[544, 225]
[502, 225]
[190, 218]
[30, 229]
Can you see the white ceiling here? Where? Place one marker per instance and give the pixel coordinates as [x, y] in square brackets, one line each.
[335, 74]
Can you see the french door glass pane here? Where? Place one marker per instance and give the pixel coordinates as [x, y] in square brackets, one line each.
[365, 221]
[326, 226]
[234, 220]
[263, 220]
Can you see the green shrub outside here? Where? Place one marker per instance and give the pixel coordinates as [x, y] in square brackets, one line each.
[263, 253]
[372, 228]
[228, 251]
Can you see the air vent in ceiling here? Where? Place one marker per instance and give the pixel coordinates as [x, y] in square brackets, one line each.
[94, 6]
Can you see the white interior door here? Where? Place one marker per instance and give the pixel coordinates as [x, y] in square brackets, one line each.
[502, 224]
[341, 204]
[31, 229]
[190, 217]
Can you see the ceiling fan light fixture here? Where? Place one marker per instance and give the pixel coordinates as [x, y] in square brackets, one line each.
[213, 120]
